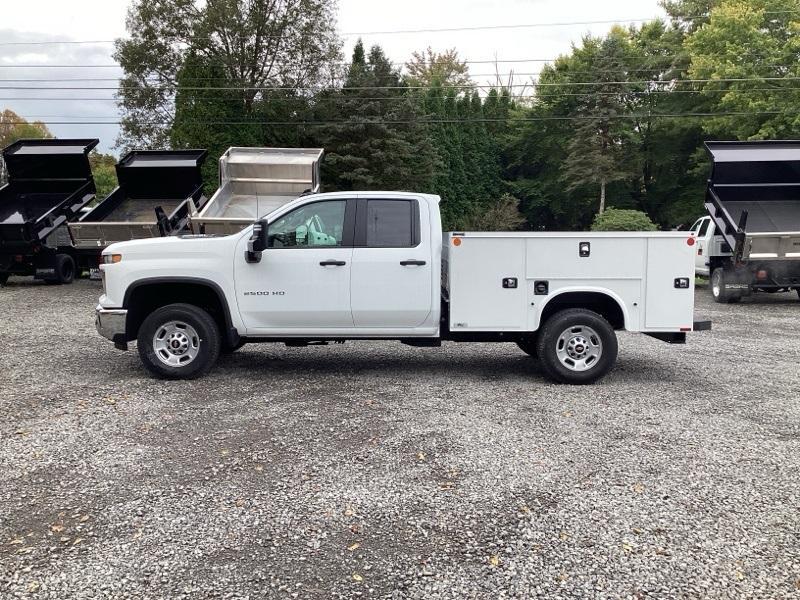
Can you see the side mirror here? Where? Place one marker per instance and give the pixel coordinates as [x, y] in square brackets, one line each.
[257, 243]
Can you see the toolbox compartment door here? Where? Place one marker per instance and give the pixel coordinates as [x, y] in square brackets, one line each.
[479, 298]
[668, 306]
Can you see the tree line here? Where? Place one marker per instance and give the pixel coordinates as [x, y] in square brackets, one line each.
[617, 122]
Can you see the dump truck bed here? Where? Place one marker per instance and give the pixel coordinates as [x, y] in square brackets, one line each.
[148, 180]
[254, 182]
[754, 197]
[25, 207]
[141, 209]
[50, 181]
[767, 217]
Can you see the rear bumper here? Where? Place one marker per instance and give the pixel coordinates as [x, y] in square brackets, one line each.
[704, 325]
[110, 323]
[679, 337]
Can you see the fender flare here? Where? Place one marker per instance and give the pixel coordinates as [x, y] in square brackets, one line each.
[588, 290]
[231, 334]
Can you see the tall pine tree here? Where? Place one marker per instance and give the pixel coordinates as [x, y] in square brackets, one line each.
[375, 139]
[600, 151]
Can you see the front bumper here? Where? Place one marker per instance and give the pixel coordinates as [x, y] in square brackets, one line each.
[110, 323]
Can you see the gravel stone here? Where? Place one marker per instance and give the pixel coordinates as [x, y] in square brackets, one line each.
[377, 470]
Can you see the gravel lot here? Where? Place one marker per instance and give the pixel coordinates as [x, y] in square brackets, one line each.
[378, 470]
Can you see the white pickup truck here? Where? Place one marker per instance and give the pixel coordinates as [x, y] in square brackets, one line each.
[375, 265]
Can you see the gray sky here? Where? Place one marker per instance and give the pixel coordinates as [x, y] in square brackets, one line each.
[46, 20]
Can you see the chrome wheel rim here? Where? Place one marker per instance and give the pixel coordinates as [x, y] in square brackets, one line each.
[176, 343]
[715, 287]
[579, 348]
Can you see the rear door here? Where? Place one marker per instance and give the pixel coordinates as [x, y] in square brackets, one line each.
[391, 276]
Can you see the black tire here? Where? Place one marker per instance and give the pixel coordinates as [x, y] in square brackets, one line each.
[529, 346]
[719, 278]
[4, 278]
[798, 293]
[599, 346]
[205, 340]
[65, 269]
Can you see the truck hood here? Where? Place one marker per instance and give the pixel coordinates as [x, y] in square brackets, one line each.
[171, 247]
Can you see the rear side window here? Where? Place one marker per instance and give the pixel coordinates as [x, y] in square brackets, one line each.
[704, 227]
[391, 223]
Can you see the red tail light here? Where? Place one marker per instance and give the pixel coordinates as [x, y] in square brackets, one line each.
[762, 275]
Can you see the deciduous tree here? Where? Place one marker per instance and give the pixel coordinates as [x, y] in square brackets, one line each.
[254, 44]
[429, 68]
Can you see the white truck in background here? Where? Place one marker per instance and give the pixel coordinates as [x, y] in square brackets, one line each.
[327, 268]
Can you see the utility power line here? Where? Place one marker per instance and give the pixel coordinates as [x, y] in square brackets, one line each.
[425, 121]
[177, 88]
[652, 69]
[623, 60]
[420, 99]
[431, 30]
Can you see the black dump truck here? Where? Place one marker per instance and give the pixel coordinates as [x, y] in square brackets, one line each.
[49, 182]
[752, 242]
[158, 191]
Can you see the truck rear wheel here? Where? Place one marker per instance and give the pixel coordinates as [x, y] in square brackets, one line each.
[63, 270]
[577, 346]
[719, 278]
[179, 341]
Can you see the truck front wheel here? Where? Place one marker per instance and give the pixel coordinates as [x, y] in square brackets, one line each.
[179, 341]
[577, 346]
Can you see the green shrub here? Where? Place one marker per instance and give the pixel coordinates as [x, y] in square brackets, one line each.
[617, 219]
[502, 215]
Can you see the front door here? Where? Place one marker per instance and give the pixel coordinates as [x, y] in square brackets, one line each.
[303, 279]
[391, 281]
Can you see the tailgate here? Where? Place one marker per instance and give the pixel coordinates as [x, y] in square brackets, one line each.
[100, 235]
[218, 225]
[772, 246]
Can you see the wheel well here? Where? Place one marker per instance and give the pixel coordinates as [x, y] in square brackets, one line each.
[598, 302]
[144, 299]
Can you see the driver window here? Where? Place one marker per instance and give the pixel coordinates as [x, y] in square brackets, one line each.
[319, 224]
[704, 228]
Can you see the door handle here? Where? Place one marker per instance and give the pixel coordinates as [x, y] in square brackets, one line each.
[332, 263]
[413, 263]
